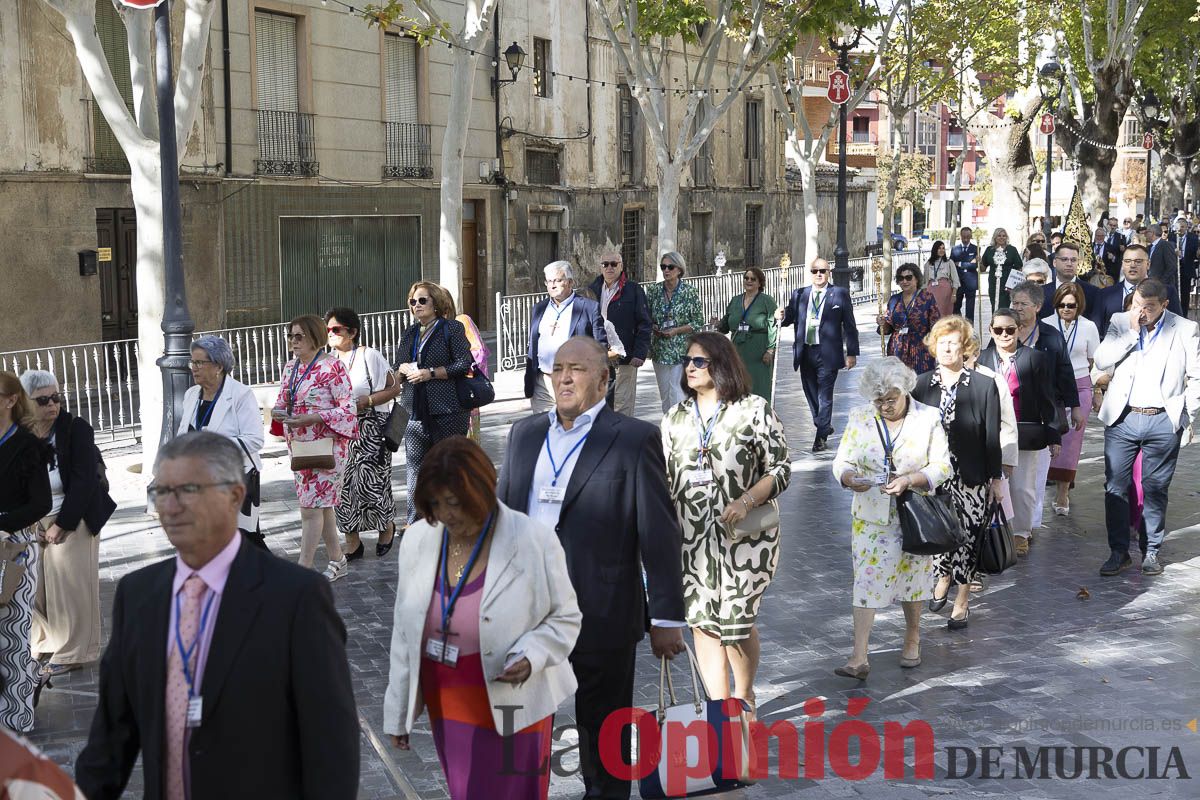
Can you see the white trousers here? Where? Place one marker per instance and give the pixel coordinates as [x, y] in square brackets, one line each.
[1027, 491]
[668, 377]
[1043, 472]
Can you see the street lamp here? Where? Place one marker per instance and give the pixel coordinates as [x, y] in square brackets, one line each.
[514, 56]
[846, 41]
[1150, 110]
[1049, 72]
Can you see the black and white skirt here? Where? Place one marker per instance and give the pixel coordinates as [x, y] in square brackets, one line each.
[971, 504]
[18, 670]
[366, 501]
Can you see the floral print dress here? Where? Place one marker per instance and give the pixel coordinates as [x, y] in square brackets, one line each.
[970, 502]
[682, 307]
[883, 572]
[724, 578]
[910, 324]
[325, 390]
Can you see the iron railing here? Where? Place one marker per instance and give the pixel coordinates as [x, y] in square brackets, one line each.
[287, 144]
[514, 312]
[408, 152]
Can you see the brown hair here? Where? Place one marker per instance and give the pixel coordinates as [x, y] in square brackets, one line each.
[22, 410]
[759, 276]
[912, 268]
[443, 303]
[459, 466]
[1076, 291]
[725, 366]
[311, 326]
[953, 324]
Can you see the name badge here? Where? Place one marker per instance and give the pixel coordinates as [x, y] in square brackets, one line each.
[195, 711]
[441, 652]
[700, 477]
[743, 327]
[669, 322]
[883, 479]
[904, 331]
[552, 494]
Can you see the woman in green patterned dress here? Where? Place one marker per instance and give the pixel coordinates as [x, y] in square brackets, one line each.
[726, 455]
[674, 313]
[750, 317]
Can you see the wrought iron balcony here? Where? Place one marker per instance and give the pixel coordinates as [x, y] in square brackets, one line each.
[286, 144]
[408, 151]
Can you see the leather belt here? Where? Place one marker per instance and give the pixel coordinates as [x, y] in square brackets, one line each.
[1149, 412]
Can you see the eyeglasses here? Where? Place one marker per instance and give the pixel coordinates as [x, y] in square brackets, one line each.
[183, 493]
[665, 267]
[421, 301]
[610, 263]
[1068, 305]
[887, 402]
[749, 279]
[1005, 330]
[337, 330]
[296, 337]
[818, 271]
[197, 364]
[46, 400]
[1136, 261]
[699, 362]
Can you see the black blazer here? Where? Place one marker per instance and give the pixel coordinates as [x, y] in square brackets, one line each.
[630, 316]
[617, 517]
[585, 321]
[1187, 248]
[1111, 300]
[975, 432]
[838, 334]
[78, 465]
[1035, 371]
[24, 481]
[447, 347]
[1164, 262]
[1051, 342]
[279, 715]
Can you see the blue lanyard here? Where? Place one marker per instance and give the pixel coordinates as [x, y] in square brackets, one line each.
[201, 423]
[295, 384]
[555, 467]
[420, 341]
[746, 310]
[448, 603]
[1142, 336]
[706, 431]
[815, 305]
[907, 309]
[560, 310]
[9, 433]
[1033, 333]
[1074, 334]
[185, 654]
[889, 441]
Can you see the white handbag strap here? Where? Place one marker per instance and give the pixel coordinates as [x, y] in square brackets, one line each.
[699, 695]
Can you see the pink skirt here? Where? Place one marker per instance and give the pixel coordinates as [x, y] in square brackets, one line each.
[1062, 469]
[943, 295]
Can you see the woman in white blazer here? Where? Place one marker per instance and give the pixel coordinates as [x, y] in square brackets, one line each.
[485, 619]
[219, 403]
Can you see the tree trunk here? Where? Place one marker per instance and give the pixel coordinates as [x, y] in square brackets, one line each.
[807, 166]
[889, 213]
[1102, 125]
[454, 146]
[1012, 166]
[146, 187]
[670, 173]
[1169, 194]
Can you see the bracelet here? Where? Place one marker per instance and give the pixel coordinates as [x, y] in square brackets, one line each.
[746, 503]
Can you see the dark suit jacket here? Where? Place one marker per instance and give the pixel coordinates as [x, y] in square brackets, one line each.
[1035, 373]
[965, 256]
[1164, 263]
[279, 715]
[975, 432]
[630, 316]
[585, 321]
[1052, 343]
[838, 334]
[1188, 250]
[78, 465]
[617, 517]
[447, 347]
[1090, 293]
[1114, 250]
[1111, 300]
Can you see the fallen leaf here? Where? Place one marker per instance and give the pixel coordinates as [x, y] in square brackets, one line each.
[1104, 680]
[1083, 593]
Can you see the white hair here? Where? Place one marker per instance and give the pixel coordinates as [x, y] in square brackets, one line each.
[223, 457]
[556, 268]
[885, 375]
[1036, 265]
[34, 380]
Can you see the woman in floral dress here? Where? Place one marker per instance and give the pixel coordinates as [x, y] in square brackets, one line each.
[726, 454]
[909, 317]
[316, 402]
[920, 459]
[675, 313]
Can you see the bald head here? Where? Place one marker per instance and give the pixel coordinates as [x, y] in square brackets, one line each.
[819, 272]
[580, 377]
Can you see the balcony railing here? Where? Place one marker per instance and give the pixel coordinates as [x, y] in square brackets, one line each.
[286, 144]
[408, 152]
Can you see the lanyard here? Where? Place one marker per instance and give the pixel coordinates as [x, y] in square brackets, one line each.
[889, 441]
[906, 308]
[1071, 336]
[448, 603]
[295, 384]
[420, 341]
[1032, 335]
[815, 305]
[706, 431]
[559, 311]
[555, 467]
[1142, 336]
[201, 423]
[8, 433]
[185, 654]
[746, 310]
[350, 366]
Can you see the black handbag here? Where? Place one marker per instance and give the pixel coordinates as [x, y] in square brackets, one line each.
[474, 389]
[928, 522]
[995, 550]
[1032, 436]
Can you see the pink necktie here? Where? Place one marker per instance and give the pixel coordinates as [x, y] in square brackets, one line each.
[177, 688]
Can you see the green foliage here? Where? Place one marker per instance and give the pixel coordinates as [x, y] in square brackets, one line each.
[395, 12]
[983, 187]
[915, 175]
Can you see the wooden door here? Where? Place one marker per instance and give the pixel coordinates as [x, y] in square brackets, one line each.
[116, 240]
[470, 258]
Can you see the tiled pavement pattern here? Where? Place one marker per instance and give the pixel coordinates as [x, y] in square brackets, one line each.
[1038, 665]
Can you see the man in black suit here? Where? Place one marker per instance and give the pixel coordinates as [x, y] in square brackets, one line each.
[1114, 248]
[226, 668]
[1187, 247]
[556, 318]
[826, 341]
[1066, 265]
[1164, 262]
[599, 479]
[1111, 300]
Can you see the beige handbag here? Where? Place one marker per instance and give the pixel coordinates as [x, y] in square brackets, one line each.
[11, 572]
[312, 455]
[758, 519]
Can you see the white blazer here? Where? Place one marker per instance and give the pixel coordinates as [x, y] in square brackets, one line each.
[528, 607]
[1180, 378]
[236, 415]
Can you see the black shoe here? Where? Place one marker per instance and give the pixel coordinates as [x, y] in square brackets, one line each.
[1116, 564]
[958, 624]
[819, 445]
[938, 603]
[356, 553]
[382, 548]
[1151, 565]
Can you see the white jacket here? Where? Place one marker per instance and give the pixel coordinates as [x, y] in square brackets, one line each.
[1179, 380]
[236, 415]
[528, 607]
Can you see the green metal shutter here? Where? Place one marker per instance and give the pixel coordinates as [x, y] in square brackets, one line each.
[107, 155]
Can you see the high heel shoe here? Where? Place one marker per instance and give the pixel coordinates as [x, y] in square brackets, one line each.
[356, 553]
[938, 603]
[382, 548]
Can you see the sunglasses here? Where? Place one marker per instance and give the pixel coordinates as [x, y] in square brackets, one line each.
[418, 301]
[296, 337]
[699, 362]
[906, 277]
[1007, 330]
[610, 263]
[55, 398]
[1067, 305]
[665, 267]
[818, 271]
[337, 330]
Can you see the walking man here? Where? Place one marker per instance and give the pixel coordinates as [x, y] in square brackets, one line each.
[556, 318]
[623, 305]
[965, 256]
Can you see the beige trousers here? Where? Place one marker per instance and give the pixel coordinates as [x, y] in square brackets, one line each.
[543, 395]
[66, 609]
[625, 390]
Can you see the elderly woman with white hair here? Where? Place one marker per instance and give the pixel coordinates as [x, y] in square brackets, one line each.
[1037, 271]
[675, 314]
[890, 446]
[561, 315]
[220, 403]
[66, 608]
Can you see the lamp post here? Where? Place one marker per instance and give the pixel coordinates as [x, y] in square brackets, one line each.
[846, 42]
[514, 56]
[1049, 71]
[1150, 110]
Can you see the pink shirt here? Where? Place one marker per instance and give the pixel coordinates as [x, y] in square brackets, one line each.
[214, 574]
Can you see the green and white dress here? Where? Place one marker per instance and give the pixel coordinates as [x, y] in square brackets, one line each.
[724, 578]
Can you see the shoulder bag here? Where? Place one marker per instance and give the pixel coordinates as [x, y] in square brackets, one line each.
[928, 522]
[474, 389]
[995, 550]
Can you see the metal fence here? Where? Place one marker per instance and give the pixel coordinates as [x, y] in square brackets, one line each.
[514, 312]
[409, 154]
[287, 144]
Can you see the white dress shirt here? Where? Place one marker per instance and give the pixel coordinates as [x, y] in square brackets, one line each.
[1149, 359]
[812, 317]
[553, 332]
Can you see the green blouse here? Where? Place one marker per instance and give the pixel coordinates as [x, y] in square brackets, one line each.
[683, 308]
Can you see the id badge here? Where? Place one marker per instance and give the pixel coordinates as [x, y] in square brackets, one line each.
[195, 711]
[450, 655]
[743, 327]
[669, 322]
[904, 331]
[701, 477]
[552, 494]
[882, 479]
[433, 650]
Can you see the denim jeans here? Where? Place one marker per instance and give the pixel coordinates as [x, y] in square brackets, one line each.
[1157, 438]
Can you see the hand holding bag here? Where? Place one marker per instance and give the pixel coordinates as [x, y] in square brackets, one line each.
[995, 550]
[928, 522]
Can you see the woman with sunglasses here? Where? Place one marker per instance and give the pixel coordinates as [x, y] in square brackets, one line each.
[315, 403]
[66, 611]
[675, 314]
[750, 317]
[941, 276]
[1082, 340]
[24, 499]
[999, 259]
[434, 353]
[1030, 376]
[366, 503]
[726, 455]
[910, 315]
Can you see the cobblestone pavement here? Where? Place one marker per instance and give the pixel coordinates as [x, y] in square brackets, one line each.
[1038, 666]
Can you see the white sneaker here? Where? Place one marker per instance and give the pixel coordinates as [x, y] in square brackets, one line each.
[337, 569]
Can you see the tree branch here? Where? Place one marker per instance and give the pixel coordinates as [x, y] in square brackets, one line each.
[139, 41]
[192, 54]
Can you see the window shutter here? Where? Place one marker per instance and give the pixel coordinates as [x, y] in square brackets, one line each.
[275, 58]
[400, 55]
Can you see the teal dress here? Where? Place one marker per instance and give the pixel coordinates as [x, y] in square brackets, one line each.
[754, 333]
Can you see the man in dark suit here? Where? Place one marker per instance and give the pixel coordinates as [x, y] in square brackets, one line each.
[1164, 262]
[1187, 247]
[599, 479]
[1114, 247]
[965, 256]
[1066, 264]
[826, 341]
[623, 303]
[1111, 300]
[561, 315]
[226, 668]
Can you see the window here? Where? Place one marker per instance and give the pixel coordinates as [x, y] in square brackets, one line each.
[544, 227]
[955, 138]
[1131, 135]
[927, 136]
[542, 67]
[951, 165]
[541, 166]
[286, 144]
[631, 241]
[408, 152]
[702, 164]
[753, 242]
[919, 219]
[629, 141]
[862, 130]
[752, 147]
[702, 245]
[107, 155]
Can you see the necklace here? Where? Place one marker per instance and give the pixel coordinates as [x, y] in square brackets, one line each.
[456, 550]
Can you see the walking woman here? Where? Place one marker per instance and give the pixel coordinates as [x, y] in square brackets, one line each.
[999, 259]
[909, 317]
[675, 314]
[750, 317]
[24, 499]
[315, 404]
[1082, 340]
[480, 353]
[366, 502]
[891, 445]
[969, 405]
[435, 353]
[726, 455]
[941, 278]
[220, 403]
[66, 611]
